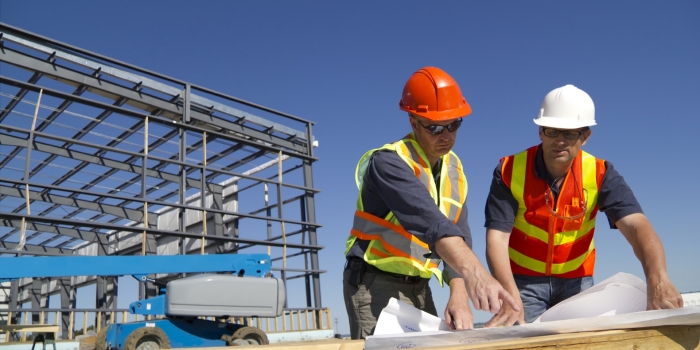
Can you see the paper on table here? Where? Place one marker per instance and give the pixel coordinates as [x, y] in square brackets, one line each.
[620, 294]
[645, 319]
[579, 313]
[400, 317]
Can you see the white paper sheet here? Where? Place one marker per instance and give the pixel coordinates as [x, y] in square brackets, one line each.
[615, 303]
[677, 317]
[399, 317]
[620, 294]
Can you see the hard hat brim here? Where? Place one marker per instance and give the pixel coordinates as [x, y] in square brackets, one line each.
[561, 123]
[460, 112]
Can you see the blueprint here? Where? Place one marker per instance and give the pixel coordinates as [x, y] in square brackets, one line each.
[616, 303]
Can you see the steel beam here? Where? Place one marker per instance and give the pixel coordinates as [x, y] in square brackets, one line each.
[116, 228]
[141, 100]
[118, 211]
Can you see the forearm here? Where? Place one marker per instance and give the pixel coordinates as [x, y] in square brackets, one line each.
[458, 255]
[661, 293]
[457, 287]
[498, 259]
[646, 244]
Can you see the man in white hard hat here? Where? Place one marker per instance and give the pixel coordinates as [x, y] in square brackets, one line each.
[541, 216]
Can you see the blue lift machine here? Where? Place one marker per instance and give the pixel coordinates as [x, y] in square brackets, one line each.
[245, 290]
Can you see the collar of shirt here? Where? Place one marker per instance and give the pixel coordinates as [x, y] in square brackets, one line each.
[436, 173]
[542, 173]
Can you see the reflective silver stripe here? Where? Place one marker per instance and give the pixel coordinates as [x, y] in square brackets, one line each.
[390, 237]
[454, 176]
[424, 177]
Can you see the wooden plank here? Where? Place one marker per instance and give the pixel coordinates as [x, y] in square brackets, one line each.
[670, 337]
[331, 344]
[328, 344]
[47, 328]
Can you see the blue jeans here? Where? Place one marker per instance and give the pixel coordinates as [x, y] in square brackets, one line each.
[539, 293]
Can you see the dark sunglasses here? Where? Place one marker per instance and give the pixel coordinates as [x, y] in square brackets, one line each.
[438, 129]
[568, 134]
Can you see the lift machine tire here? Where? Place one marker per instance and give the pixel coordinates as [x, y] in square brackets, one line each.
[147, 338]
[246, 336]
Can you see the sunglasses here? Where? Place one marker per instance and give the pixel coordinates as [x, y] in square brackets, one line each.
[438, 129]
[568, 134]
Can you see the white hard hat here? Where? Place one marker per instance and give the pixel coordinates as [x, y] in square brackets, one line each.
[567, 107]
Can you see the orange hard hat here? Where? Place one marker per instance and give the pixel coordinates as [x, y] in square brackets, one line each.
[433, 94]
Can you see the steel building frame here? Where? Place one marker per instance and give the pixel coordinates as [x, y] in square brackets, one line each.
[100, 157]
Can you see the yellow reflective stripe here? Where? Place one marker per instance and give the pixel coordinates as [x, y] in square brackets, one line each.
[530, 230]
[571, 265]
[570, 236]
[417, 148]
[446, 188]
[452, 201]
[453, 185]
[408, 154]
[517, 180]
[588, 162]
[458, 187]
[400, 265]
[360, 206]
[348, 243]
[559, 238]
[361, 167]
[438, 274]
[426, 174]
[392, 219]
[525, 261]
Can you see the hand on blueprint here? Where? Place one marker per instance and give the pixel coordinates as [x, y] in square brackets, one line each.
[506, 316]
[486, 293]
[458, 315]
[662, 294]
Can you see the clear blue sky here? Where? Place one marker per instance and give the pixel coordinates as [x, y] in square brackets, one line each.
[343, 65]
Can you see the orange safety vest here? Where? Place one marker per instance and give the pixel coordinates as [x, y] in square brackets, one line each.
[391, 248]
[543, 244]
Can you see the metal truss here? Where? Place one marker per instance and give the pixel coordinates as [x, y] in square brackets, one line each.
[100, 157]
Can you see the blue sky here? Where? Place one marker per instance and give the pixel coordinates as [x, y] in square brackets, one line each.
[343, 65]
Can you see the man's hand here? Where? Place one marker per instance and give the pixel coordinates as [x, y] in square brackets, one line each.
[499, 264]
[662, 294]
[484, 291]
[458, 315]
[506, 316]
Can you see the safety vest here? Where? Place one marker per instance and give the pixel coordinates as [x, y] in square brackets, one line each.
[543, 244]
[391, 248]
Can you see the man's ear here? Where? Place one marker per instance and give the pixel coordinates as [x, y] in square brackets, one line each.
[413, 122]
[586, 135]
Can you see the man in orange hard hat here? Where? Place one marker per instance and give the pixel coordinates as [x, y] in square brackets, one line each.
[541, 215]
[411, 213]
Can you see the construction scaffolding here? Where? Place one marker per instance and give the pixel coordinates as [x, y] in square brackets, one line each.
[100, 157]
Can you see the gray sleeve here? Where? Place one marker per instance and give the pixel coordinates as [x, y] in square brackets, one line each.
[616, 198]
[448, 272]
[404, 194]
[501, 207]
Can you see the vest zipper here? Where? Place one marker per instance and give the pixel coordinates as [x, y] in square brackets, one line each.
[550, 240]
